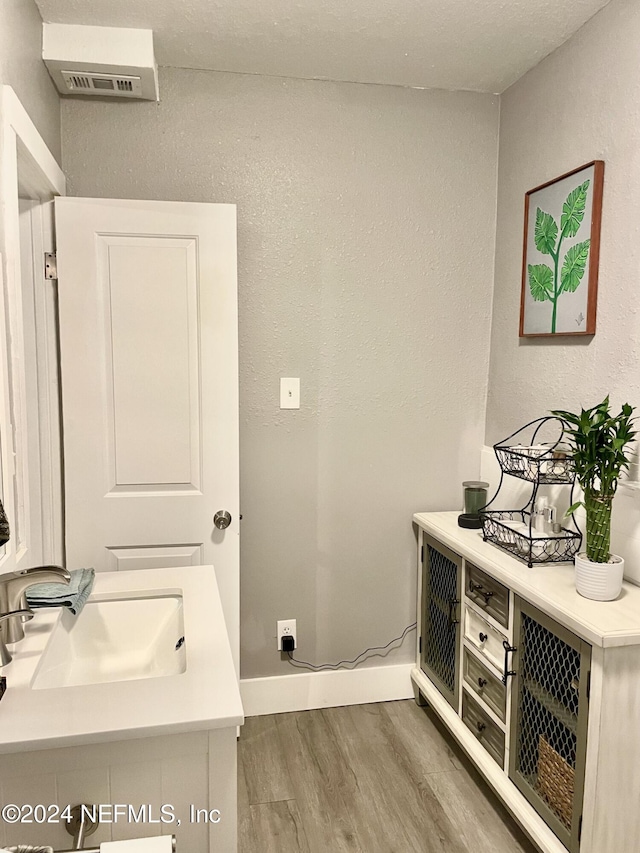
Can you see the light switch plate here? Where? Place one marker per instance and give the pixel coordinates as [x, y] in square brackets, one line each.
[289, 393]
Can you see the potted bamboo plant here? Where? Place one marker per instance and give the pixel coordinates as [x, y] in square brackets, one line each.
[600, 442]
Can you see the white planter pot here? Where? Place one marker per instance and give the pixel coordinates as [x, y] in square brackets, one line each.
[599, 581]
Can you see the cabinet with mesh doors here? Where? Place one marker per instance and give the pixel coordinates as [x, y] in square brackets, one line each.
[440, 619]
[540, 687]
[549, 715]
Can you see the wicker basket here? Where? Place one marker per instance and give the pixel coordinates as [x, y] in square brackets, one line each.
[556, 779]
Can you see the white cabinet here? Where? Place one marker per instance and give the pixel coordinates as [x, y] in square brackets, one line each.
[191, 775]
[539, 686]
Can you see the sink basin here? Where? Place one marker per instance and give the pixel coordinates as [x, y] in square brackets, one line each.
[115, 639]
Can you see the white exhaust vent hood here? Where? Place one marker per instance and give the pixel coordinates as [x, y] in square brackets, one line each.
[111, 61]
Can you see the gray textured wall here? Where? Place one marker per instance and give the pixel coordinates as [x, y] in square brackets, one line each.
[366, 239]
[582, 103]
[22, 68]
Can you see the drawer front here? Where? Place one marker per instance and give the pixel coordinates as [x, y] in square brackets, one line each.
[489, 688]
[483, 727]
[488, 594]
[484, 637]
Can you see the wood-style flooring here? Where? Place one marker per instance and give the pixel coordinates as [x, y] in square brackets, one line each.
[377, 778]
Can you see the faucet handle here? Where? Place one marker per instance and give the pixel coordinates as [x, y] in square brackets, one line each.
[21, 613]
[58, 570]
[62, 575]
[26, 612]
[12, 596]
[5, 654]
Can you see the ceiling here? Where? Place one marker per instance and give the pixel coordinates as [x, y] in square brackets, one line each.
[482, 45]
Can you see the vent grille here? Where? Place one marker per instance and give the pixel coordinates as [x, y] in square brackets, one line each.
[80, 82]
[87, 83]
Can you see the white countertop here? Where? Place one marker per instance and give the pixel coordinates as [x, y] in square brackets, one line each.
[550, 587]
[205, 696]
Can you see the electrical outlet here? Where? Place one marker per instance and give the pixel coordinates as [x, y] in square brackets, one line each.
[286, 628]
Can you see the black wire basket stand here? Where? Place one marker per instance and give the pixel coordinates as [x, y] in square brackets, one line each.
[545, 464]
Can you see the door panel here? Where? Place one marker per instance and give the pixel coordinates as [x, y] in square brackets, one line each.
[149, 363]
[549, 713]
[151, 312]
[168, 556]
[441, 593]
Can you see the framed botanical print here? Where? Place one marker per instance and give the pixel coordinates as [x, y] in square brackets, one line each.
[561, 252]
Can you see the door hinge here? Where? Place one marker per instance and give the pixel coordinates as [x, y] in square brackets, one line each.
[50, 266]
[589, 684]
[580, 828]
[420, 645]
[422, 554]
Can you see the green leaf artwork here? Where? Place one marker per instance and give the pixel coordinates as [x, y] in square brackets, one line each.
[575, 262]
[540, 281]
[573, 210]
[547, 284]
[546, 233]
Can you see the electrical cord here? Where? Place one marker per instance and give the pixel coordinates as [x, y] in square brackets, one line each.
[351, 664]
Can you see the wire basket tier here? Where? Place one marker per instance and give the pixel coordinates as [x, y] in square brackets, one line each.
[538, 453]
[544, 465]
[498, 527]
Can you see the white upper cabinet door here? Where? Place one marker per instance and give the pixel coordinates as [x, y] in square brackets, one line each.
[149, 367]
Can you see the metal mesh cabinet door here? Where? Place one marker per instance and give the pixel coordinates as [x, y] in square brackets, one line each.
[549, 710]
[441, 588]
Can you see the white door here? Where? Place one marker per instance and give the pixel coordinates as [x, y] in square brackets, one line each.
[149, 368]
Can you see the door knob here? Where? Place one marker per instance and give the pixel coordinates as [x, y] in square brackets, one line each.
[222, 519]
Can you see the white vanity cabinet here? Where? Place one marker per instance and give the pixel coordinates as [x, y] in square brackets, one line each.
[539, 686]
[154, 740]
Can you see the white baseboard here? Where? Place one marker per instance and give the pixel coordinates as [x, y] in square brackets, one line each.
[308, 690]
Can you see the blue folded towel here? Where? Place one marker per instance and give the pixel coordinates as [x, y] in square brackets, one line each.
[72, 595]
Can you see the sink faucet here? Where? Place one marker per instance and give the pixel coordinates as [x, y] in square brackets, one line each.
[13, 587]
[8, 618]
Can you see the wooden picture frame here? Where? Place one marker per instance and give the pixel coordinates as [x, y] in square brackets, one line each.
[561, 253]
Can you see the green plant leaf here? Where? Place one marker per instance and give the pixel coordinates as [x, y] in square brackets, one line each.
[573, 210]
[546, 232]
[575, 262]
[573, 508]
[540, 281]
[600, 443]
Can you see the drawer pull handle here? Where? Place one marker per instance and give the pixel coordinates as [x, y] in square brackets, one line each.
[481, 727]
[483, 637]
[507, 671]
[482, 682]
[477, 587]
[453, 603]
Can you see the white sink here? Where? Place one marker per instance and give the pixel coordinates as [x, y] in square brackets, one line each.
[113, 672]
[115, 639]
